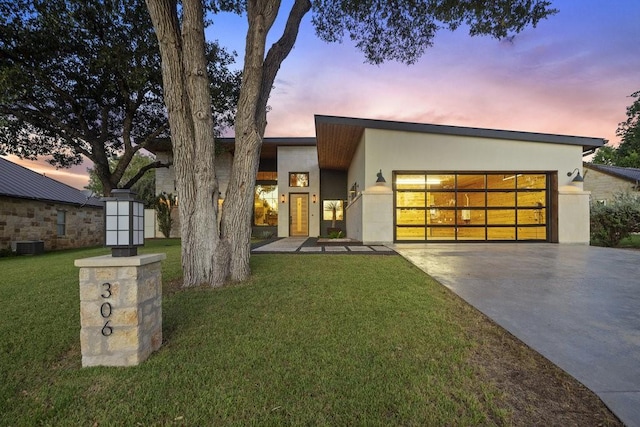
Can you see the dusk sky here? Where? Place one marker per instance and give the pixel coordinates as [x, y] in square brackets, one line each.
[571, 75]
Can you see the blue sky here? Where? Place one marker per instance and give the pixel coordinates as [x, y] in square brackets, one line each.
[572, 75]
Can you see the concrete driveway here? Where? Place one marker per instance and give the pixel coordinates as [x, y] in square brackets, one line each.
[579, 306]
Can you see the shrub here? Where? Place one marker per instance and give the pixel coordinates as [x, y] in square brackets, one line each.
[164, 205]
[6, 253]
[616, 221]
[265, 235]
[336, 234]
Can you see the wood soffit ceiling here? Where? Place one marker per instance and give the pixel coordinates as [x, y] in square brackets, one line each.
[337, 143]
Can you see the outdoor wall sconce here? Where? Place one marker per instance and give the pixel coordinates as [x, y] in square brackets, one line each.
[314, 198]
[124, 223]
[282, 198]
[380, 178]
[578, 177]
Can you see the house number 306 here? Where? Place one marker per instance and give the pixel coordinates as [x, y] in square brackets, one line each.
[105, 309]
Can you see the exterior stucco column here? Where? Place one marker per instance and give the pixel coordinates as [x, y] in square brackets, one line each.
[573, 215]
[377, 215]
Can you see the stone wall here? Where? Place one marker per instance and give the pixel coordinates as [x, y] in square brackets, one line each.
[22, 219]
[604, 186]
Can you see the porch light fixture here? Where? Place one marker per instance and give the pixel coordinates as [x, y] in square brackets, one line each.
[380, 178]
[124, 223]
[578, 177]
[282, 198]
[314, 198]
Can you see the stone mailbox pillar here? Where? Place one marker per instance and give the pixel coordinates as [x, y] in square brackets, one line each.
[120, 309]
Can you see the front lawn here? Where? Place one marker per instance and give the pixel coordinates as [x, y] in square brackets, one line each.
[308, 340]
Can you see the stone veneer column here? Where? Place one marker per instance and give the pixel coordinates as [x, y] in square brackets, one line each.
[120, 309]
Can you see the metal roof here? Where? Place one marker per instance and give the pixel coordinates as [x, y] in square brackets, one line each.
[20, 182]
[629, 174]
[338, 137]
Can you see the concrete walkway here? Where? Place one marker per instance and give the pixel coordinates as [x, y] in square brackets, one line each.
[296, 244]
[579, 306]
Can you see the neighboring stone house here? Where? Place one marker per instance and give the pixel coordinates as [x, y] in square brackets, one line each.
[604, 181]
[34, 207]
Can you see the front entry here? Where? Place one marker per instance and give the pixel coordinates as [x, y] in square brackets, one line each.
[299, 214]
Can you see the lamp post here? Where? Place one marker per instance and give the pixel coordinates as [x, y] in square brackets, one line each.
[124, 223]
[121, 294]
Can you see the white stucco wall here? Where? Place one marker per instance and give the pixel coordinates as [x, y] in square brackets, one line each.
[573, 215]
[357, 169]
[298, 159]
[377, 213]
[406, 151]
[354, 219]
[389, 150]
[150, 224]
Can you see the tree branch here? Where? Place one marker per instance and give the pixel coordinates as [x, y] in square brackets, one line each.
[143, 170]
[277, 54]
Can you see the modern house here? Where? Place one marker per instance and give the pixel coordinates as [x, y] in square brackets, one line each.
[385, 181]
[39, 213]
[604, 182]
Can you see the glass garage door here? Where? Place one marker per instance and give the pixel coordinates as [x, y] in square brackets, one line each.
[485, 206]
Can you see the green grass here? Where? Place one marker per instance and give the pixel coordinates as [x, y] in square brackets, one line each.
[309, 339]
[632, 241]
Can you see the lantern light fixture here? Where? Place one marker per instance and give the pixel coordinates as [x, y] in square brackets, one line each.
[124, 223]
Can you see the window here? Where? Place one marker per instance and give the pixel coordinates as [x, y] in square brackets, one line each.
[265, 205]
[471, 206]
[61, 223]
[332, 210]
[299, 179]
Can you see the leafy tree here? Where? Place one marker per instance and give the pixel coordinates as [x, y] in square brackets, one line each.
[628, 152]
[629, 133]
[398, 30]
[606, 155]
[144, 187]
[83, 78]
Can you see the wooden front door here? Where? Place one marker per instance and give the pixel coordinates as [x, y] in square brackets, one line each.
[298, 215]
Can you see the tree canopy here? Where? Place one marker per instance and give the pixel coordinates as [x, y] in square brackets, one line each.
[403, 30]
[144, 186]
[82, 78]
[627, 154]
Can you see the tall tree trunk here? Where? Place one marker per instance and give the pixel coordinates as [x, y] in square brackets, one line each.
[257, 80]
[236, 218]
[208, 256]
[186, 94]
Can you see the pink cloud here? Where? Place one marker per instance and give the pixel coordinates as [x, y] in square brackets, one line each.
[563, 77]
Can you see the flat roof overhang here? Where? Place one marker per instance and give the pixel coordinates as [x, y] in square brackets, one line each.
[338, 137]
[269, 145]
